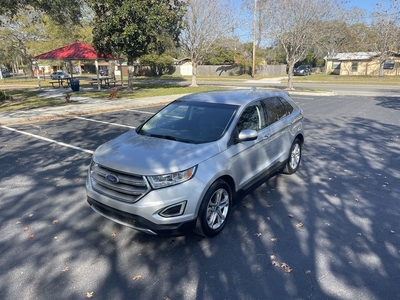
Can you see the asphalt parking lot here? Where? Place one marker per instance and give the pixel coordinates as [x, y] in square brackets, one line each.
[330, 231]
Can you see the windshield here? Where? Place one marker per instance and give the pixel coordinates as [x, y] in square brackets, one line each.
[190, 122]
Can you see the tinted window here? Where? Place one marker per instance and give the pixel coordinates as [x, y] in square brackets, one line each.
[287, 106]
[277, 108]
[252, 118]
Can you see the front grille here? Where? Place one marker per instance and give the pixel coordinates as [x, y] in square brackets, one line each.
[128, 188]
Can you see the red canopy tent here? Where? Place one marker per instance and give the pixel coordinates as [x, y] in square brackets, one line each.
[76, 51]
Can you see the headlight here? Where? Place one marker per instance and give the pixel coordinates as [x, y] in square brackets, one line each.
[160, 181]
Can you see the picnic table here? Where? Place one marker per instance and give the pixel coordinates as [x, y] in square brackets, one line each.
[105, 82]
[61, 82]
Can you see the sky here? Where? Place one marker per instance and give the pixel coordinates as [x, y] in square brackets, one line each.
[367, 5]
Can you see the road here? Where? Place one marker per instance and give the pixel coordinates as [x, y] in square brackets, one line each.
[330, 231]
[339, 89]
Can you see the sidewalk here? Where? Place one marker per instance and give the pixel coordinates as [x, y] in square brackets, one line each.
[80, 106]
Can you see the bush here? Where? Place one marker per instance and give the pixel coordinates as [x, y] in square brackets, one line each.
[4, 96]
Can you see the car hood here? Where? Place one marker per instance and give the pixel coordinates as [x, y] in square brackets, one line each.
[144, 155]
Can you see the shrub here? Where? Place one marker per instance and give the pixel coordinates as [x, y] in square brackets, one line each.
[113, 93]
[4, 96]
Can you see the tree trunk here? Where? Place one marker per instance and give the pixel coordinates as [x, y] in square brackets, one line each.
[131, 70]
[194, 74]
[290, 75]
[111, 69]
[381, 63]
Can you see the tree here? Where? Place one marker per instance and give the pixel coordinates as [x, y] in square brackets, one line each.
[19, 35]
[158, 63]
[31, 32]
[385, 27]
[62, 11]
[130, 27]
[220, 56]
[206, 23]
[298, 25]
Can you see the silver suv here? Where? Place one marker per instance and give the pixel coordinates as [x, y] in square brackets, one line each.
[181, 169]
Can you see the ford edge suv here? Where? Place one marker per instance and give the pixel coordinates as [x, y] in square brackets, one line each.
[181, 169]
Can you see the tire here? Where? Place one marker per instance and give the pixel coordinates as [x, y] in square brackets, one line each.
[294, 159]
[214, 209]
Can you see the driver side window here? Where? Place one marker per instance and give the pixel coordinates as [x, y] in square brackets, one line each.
[252, 118]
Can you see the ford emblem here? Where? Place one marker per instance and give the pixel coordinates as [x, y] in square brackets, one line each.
[112, 178]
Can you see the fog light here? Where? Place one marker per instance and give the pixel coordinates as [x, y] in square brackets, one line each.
[173, 210]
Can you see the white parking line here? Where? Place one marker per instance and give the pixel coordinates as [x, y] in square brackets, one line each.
[49, 140]
[143, 112]
[108, 123]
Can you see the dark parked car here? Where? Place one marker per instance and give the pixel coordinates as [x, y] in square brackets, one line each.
[181, 168]
[6, 74]
[59, 75]
[104, 72]
[302, 70]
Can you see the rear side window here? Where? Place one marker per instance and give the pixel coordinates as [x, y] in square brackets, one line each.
[287, 106]
[277, 108]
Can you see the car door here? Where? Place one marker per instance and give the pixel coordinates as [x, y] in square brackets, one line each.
[278, 122]
[248, 159]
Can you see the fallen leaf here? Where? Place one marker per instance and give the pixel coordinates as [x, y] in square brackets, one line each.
[286, 268]
[89, 294]
[26, 228]
[137, 277]
[31, 236]
[54, 222]
[258, 234]
[114, 234]
[299, 224]
[275, 263]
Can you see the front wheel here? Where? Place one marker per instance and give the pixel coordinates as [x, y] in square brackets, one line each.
[214, 209]
[293, 162]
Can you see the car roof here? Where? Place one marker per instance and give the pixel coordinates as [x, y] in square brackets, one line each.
[233, 97]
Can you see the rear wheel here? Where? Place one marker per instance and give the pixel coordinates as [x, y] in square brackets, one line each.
[214, 209]
[294, 158]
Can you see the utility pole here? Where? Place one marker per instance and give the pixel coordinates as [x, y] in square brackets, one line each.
[253, 69]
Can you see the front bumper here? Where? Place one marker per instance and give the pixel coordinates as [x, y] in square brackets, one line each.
[146, 215]
[139, 223]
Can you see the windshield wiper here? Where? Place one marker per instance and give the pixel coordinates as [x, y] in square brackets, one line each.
[168, 137]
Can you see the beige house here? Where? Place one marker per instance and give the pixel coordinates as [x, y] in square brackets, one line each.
[362, 63]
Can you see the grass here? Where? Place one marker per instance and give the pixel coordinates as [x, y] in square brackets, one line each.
[141, 90]
[25, 93]
[29, 98]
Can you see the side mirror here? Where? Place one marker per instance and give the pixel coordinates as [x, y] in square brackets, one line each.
[247, 135]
